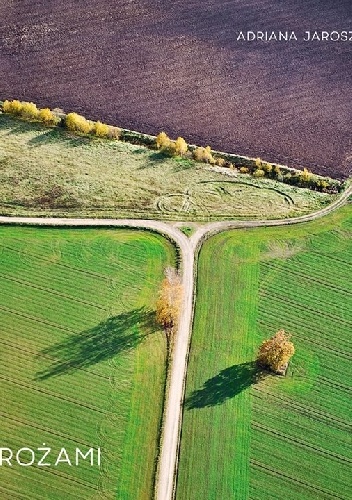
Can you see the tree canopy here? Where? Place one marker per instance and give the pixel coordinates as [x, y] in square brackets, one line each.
[276, 352]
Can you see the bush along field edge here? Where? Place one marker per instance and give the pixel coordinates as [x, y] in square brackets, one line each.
[258, 168]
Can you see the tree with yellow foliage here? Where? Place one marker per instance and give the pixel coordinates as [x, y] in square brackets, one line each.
[29, 111]
[169, 303]
[203, 154]
[46, 116]
[181, 146]
[13, 107]
[276, 352]
[305, 176]
[101, 129]
[78, 123]
[162, 141]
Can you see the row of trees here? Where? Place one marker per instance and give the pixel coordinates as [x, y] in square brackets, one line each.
[29, 111]
[258, 167]
[179, 147]
[78, 123]
[72, 121]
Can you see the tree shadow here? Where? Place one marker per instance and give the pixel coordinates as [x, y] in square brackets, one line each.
[56, 134]
[153, 159]
[225, 385]
[116, 335]
[181, 164]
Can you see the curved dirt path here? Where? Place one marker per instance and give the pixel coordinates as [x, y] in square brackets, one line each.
[168, 459]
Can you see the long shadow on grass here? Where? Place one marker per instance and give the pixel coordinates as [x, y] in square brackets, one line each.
[225, 385]
[56, 135]
[102, 342]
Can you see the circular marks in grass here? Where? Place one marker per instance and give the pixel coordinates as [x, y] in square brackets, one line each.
[227, 199]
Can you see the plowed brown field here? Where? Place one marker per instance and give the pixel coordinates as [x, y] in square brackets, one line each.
[151, 65]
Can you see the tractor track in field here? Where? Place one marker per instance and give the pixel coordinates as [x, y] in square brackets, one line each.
[165, 486]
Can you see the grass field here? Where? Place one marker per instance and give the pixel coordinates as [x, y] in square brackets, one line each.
[276, 437]
[82, 362]
[47, 172]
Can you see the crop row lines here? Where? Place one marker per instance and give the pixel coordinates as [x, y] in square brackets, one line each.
[75, 318]
[15, 493]
[302, 321]
[76, 387]
[50, 291]
[290, 307]
[309, 411]
[53, 417]
[36, 319]
[319, 344]
[309, 277]
[318, 266]
[307, 302]
[41, 471]
[305, 484]
[315, 432]
[328, 256]
[51, 394]
[39, 278]
[337, 385]
[300, 442]
[340, 397]
[47, 356]
[39, 257]
[42, 428]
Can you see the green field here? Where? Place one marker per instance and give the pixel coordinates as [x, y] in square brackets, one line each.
[48, 172]
[244, 437]
[82, 362]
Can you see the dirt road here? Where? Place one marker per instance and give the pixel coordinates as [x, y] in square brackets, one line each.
[167, 467]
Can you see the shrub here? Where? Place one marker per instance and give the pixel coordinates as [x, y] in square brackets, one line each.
[220, 162]
[101, 129]
[14, 107]
[29, 111]
[305, 176]
[46, 116]
[267, 167]
[258, 173]
[181, 146]
[170, 149]
[258, 163]
[244, 170]
[114, 132]
[203, 154]
[78, 123]
[323, 184]
[162, 141]
[276, 173]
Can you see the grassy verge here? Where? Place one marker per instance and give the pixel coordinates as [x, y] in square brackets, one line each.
[280, 436]
[46, 172]
[82, 361]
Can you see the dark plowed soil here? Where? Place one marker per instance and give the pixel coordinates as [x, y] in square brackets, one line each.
[151, 65]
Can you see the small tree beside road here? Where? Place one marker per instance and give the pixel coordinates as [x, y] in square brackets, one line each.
[169, 303]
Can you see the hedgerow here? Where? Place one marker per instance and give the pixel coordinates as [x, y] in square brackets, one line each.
[29, 111]
[256, 167]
